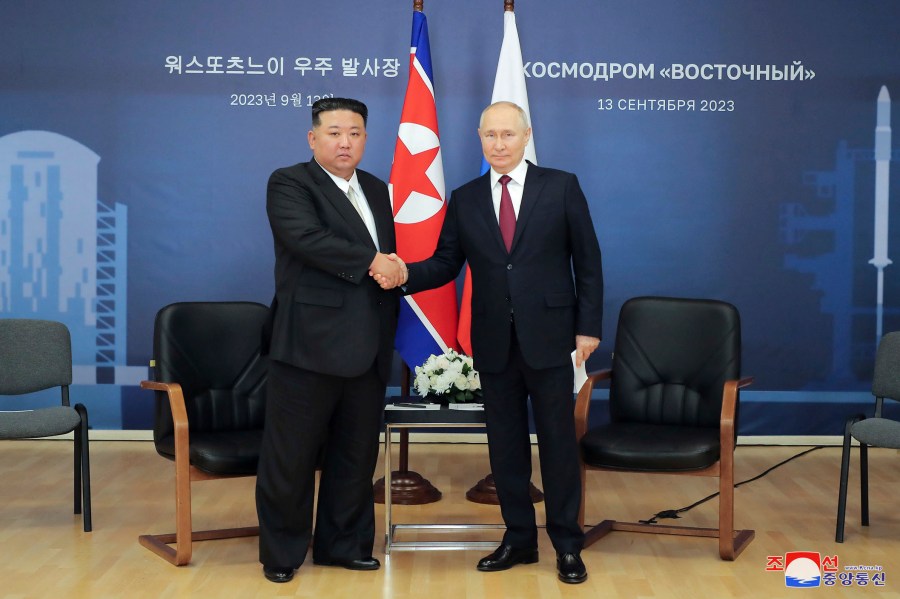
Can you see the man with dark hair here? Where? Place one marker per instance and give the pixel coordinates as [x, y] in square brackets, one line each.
[331, 331]
[331, 104]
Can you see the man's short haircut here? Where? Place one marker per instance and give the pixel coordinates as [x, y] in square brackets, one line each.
[518, 108]
[331, 104]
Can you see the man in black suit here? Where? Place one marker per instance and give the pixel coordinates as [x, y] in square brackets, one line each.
[332, 333]
[537, 294]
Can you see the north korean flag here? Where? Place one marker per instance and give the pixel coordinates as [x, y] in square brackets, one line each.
[428, 320]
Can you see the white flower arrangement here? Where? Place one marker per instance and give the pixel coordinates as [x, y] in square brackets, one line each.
[449, 376]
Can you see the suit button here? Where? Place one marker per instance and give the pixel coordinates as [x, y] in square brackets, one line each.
[509, 267]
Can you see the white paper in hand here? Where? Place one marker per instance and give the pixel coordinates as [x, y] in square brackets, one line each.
[580, 374]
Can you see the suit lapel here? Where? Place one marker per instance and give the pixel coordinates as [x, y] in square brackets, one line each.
[531, 193]
[485, 210]
[340, 202]
[380, 206]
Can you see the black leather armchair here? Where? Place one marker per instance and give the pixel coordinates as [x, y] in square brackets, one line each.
[674, 391]
[210, 383]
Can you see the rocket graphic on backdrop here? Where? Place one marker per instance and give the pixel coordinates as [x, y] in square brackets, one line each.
[882, 183]
[837, 266]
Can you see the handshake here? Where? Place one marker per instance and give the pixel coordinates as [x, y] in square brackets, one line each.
[388, 270]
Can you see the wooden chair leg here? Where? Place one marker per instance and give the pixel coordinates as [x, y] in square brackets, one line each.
[731, 542]
[726, 513]
[599, 531]
[596, 533]
[159, 544]
[183, 537]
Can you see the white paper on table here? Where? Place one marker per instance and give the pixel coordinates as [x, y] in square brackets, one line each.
[580, 374]
[412, 406]
[466, 406]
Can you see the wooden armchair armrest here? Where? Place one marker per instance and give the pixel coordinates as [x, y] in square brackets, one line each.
[729, 406]
[179, 419]
[583, 400]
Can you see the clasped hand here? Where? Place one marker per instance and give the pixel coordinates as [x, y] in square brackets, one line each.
[388, 270]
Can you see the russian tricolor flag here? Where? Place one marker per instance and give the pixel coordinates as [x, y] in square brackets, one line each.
[428, 320]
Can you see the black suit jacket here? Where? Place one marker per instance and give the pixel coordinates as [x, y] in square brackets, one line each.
[329, 316]
[551, 280]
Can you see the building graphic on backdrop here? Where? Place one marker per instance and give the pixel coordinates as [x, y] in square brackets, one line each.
[63, 255]
[859, 181]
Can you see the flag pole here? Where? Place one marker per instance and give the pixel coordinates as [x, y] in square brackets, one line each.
[407, 487]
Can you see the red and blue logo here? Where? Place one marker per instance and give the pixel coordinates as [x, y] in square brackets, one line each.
[809, 569]
[802, 569]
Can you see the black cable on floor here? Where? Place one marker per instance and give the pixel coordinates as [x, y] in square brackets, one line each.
[674, 513]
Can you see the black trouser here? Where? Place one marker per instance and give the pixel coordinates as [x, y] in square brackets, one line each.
[303, 410]
[506, 411]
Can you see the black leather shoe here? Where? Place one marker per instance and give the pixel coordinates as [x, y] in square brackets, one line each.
[278, 574]
[363, 563]
[570, 567]
[505, 557]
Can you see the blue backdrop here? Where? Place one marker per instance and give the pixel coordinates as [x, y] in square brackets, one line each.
[726, 150]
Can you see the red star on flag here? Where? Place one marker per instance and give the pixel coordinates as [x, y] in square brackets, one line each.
[412, 174]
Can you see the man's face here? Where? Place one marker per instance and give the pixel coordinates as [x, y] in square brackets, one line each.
[339, 141]
[503, 138]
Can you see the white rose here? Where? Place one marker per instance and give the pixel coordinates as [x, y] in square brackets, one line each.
[461, 382]
[474, 381]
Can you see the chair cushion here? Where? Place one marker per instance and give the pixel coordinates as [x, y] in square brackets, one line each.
[44, 422]
[880, 432]
[650, 447]
[226, 452]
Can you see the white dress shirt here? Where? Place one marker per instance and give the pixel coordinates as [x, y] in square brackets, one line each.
[365, 212]
[516, 188]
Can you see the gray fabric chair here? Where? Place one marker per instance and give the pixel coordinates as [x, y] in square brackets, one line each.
[37, 355]
[876, 431]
